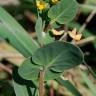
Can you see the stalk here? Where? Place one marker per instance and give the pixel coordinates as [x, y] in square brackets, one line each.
[41, 83]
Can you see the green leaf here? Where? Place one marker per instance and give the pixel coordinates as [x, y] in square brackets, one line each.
[12, 32]
[20, 90]
[55, 25]
[53, 58]
[69, 86]
[58, 56]
[30, 71]
[23, 87]
[48, 38]
[39, 30]
[91, 86]
[63, 12]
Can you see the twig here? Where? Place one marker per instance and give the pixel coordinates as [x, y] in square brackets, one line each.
[90, 70]
[30, 16]
[87, 21]
[2, 66]
[47, 28]
[62, 37]
[80, 11]
[83, 27]
[86, 41]
[65, 34]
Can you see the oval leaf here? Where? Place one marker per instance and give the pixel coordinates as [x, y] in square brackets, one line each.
[29, 71]
[58, 56]
[63, 12]
[53, 58]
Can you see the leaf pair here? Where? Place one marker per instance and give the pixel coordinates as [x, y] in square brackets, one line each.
[53, 58]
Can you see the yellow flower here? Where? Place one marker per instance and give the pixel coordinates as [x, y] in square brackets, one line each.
[54, 1]
[55, 32]
[74, 35]
[41, 5]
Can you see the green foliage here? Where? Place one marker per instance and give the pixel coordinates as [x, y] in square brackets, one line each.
[89, 83]
[14, 34]
[63, 12]
[23, 87]
[20, 90]
[47, 38]
[39, 30]
[58, 56]
[28, 70]
[69, 86]
[53, 58]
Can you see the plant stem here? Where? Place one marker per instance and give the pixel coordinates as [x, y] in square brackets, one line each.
[52, 88]
[85, 41]
[41, 83]
[47, 28]
[89, 18]
[89, 69]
